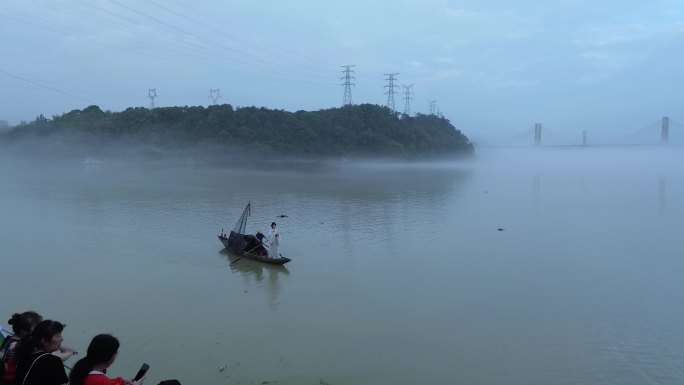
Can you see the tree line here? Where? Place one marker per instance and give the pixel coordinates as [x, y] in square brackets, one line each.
[357, 131]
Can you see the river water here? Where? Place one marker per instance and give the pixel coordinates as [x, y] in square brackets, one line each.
[521, 266]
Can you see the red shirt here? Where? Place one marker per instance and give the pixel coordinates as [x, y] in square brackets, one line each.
[8, 360]
[101, 379]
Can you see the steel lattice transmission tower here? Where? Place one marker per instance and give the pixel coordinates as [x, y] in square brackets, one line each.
[432, 105]
[408, 95]
[214, 95]
[390, 90]
[347, 71]
[151, 93]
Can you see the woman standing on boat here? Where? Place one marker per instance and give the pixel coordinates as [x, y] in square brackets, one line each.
[274, 240]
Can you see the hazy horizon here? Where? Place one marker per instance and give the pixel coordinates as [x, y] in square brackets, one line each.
[494, 68]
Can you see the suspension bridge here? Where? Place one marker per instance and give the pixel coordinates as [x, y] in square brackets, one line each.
[664, 131]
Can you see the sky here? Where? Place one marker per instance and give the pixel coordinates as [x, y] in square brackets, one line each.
[493, 67]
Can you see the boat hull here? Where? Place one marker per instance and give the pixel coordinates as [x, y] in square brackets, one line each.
[237, 244]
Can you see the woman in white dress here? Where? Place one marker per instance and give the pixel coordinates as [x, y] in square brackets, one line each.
[274, 240]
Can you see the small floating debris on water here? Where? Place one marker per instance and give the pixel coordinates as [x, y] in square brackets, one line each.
[222, 368]
[281, 216]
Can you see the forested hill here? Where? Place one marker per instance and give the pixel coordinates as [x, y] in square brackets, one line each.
[360, 131]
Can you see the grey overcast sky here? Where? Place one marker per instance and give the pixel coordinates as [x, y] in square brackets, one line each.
[495, 67]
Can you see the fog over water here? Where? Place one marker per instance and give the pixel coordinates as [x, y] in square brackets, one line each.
[518, 266]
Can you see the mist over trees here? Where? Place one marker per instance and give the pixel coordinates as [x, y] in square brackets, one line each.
[221, 131]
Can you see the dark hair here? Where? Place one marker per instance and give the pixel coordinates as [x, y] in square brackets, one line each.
[273, 224]
[24, 322]
[45, 330]
[102, 348]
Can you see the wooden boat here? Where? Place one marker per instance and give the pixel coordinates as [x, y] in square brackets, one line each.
[248, 245]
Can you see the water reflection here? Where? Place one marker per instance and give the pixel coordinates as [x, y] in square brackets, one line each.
[256, 274]
[536, 182]
[584, 299]
[355, 184]
[662, 193]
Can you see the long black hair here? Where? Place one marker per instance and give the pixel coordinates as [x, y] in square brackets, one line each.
[23, 323]
[102, 348]
[45, 330]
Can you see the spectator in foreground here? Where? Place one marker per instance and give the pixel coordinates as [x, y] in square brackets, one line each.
[22, 326]
[36, 365]
[91, 369]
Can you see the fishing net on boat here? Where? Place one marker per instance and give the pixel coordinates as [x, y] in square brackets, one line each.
[241, 225]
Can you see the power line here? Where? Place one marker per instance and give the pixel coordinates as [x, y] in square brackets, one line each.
[179, 48]
[176, 56]
[235, 54]
[172, 40]
[347, 98]
[46, 87]
[313, 63]
[390, 90]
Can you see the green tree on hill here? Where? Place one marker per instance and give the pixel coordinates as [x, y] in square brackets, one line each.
[364, 130]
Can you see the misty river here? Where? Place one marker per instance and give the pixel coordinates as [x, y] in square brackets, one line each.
[520, 266]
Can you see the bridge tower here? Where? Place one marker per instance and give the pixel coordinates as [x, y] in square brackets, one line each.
[664, 130]
[537, 134]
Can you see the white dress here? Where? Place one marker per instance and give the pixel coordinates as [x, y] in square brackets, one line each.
[274, 240]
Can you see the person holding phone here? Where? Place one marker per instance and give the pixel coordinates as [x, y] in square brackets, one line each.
[91, 369]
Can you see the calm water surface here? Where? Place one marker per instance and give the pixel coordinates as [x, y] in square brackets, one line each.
[400, 274]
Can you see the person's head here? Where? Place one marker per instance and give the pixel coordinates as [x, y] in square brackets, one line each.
[47, 335]
[23, 324]
[102, 352]
[103, 349]
[273, 225]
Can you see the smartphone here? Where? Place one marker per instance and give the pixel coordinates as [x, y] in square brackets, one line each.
[141, 372]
